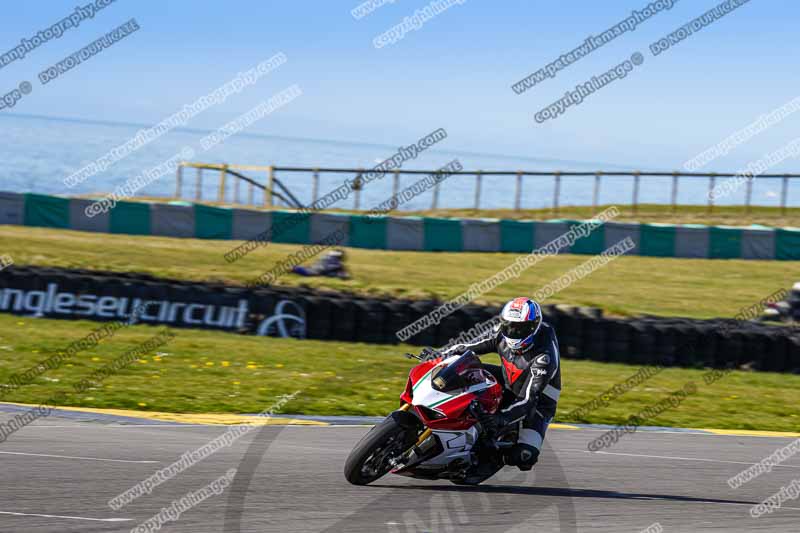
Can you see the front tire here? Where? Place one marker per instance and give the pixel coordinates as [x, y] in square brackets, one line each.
[370, 459]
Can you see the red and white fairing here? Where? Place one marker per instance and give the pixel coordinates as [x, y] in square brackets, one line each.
[446, 411]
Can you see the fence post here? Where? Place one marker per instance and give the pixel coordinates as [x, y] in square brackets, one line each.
[674, 191]
[596, 192]
[250, 193]
[223, 174]
[478, 190]
[236, 190]
[357, 188]
[712, 182]
[396, 183]
[315, 185]
[636, 178]
[557, 191]
[178, 180]
[270, 183]
[749, 193]
[437, 182]
[198, 186]
[784, 194]
[518, 194]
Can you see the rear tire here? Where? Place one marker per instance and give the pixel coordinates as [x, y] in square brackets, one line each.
[369, 460]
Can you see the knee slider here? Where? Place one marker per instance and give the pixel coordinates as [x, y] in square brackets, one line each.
[523, 456]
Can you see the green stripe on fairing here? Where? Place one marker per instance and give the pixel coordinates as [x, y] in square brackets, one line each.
[431, 406]
[467, 391]
[422, 379]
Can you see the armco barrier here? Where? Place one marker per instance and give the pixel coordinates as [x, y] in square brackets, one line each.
[185, 220]
[584, 333]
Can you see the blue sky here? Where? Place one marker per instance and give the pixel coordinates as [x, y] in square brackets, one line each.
[455, 72]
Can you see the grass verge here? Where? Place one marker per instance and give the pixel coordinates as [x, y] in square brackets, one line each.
[697, 288]
[210, 372]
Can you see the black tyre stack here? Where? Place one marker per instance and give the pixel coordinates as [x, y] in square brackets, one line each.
[343, 313]
[584, 333]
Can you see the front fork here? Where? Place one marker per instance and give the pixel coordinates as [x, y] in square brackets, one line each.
[425, 434]
[415, 452]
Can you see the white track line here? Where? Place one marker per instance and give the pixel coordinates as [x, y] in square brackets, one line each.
[77, 457]
[705, 502]
[679, 458]
[69, 517]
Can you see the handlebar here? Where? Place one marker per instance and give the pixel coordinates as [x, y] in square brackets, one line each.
[427, 354]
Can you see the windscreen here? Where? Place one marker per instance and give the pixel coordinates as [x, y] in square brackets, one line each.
[461, 373]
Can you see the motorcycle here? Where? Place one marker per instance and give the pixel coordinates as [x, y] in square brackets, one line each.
[436, 433]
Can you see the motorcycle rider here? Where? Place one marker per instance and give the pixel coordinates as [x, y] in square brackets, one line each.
[530, 375]
[331, 265]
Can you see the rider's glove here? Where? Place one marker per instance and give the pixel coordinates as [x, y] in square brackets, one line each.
[490, 423]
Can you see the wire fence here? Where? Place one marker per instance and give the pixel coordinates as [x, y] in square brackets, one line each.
[272, 190]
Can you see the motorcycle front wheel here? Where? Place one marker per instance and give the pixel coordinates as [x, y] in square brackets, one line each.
[371, 458]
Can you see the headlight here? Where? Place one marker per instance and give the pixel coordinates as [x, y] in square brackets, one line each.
[429, 413]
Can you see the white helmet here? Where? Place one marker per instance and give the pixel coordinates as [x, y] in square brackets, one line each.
[520, 320]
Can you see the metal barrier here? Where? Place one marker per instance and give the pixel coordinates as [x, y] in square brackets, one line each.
[270, 192]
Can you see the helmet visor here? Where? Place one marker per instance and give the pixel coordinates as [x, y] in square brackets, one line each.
[518, 330]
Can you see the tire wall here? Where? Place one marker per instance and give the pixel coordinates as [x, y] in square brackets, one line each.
[584, 333]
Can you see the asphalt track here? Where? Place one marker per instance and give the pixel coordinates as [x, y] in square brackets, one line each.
[59, 473]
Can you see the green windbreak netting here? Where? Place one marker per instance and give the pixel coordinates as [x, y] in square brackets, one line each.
[212, 222]
[516, 236]
[593, 243]
[132, 218]
[787, 244]
[291, 228]
[368, 232]
[657, 240]
[46, 211]
[443, 235]
[725, 243]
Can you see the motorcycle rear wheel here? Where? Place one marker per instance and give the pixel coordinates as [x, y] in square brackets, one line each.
[370, 459]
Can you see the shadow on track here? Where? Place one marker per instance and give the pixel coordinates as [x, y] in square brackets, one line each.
[558, 492]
